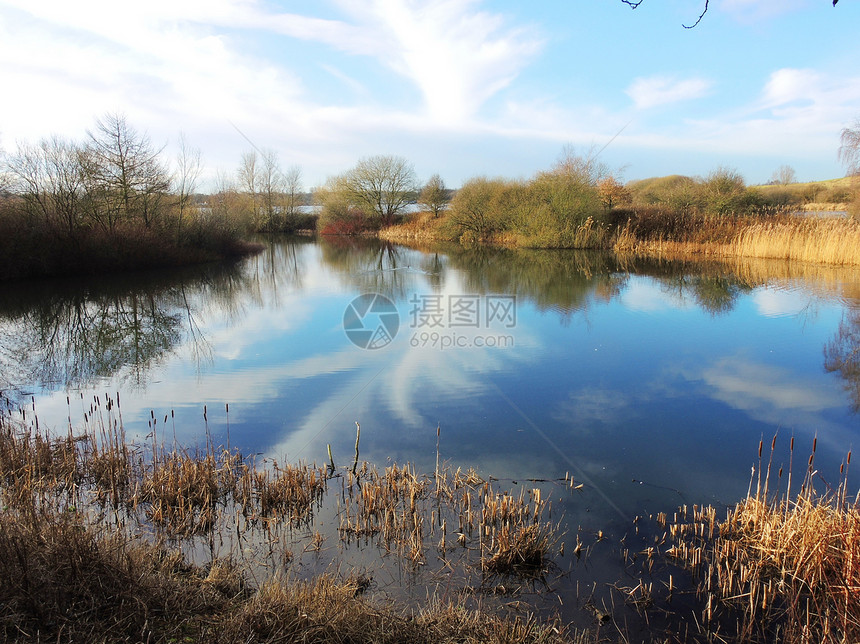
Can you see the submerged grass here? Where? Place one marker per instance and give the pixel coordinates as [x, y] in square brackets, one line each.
[780, 567]
[97, 539]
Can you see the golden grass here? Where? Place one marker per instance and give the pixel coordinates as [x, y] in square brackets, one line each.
[326, 610]
[779, 568]
[652, 231]
[812, 239]
[81, 572]
[818, 240]
[422, 226]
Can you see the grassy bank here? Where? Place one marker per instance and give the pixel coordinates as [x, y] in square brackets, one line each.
[579, 204]
[660, 232]
[109, 203]
[34, 249]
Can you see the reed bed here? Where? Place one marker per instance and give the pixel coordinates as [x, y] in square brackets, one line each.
[451, 510]
[829, 240]
[327, 610]
[780, 567]
[98, 536]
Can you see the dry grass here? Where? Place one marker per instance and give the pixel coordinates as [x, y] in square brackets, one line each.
[669, 233]
[779, 568]
[67, 581]
[96, 535]
[422, 226]
[821, 240]
[326, 610]
[808, 239]
[522, 550]
[408, 513]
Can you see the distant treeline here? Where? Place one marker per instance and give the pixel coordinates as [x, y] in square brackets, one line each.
[112, 202]
[108, 203]
[580, 203]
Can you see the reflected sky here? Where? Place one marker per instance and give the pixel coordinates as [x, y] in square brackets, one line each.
[649, 381]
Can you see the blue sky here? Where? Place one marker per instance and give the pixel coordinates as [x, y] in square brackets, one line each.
[459, 87]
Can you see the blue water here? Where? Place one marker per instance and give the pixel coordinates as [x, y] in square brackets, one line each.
[651, 382]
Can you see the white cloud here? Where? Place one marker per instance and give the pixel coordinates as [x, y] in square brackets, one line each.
[457, 55]
[781, 302]
[662, 90]
[760, 388]
[789, 85]
[650, 297]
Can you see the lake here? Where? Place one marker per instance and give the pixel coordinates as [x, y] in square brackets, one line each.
[650, 382]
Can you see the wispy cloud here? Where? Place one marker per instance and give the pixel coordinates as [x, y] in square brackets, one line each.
[662, 90]
[457, 55]
[789, 85]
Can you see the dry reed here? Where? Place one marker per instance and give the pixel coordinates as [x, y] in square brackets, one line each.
[80, 573]
[829, 240]
[779, 568]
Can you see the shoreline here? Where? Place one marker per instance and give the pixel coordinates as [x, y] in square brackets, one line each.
[815, 239]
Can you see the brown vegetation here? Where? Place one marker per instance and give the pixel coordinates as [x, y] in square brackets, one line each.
[107, 204]
[781, 566]
[94, 530]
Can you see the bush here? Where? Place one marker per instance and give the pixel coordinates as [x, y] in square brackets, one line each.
[484, 207]
[677, 192]
[724, 192]
[554, 208]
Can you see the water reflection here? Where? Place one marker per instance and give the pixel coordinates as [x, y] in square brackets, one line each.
[66, 335]
[842, 355]
[602, 345]
[370, 266]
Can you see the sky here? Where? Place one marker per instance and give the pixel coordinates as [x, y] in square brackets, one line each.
[462, 88]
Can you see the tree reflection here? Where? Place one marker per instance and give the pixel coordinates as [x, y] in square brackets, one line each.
[842, 355]
[371, 265]
[68, 335]
[564, 281]
[715, 294]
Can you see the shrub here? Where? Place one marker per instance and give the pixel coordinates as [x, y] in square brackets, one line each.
[555, 206]
[484, 207]
[675, 191]
[338, 215]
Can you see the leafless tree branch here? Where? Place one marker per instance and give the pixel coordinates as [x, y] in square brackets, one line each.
[634, 4]
[702, 15]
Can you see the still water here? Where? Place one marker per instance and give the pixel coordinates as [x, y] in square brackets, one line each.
[651, 382]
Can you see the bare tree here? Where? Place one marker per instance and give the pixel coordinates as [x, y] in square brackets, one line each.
[124, 173]
[292, 185]
[434, 196]
[50, 180]
[249, 183]
[381, 186]
[5, 175]
[849, 150]
[784, 175]
[634, 4]
[189, 166]
[271, 189]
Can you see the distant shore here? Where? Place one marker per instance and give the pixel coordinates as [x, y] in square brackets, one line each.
[809, 238]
